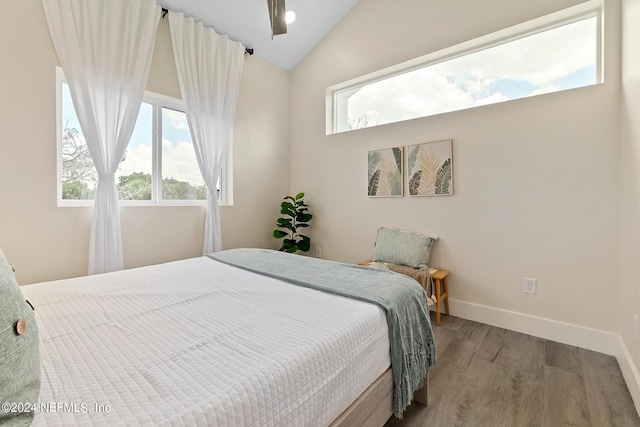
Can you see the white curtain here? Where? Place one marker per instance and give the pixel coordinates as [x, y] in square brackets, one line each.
[209, 71]
[105, 49]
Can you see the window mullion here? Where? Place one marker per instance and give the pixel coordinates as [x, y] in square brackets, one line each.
[156, 179]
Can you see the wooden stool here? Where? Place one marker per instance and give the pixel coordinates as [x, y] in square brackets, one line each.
[440, 280]
[421, 276]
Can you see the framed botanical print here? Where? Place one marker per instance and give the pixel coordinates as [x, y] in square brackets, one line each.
[430, 169]
[385, 176]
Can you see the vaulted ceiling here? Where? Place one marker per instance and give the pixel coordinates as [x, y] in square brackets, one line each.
[247, 21]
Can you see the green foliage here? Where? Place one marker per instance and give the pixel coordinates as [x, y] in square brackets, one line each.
[413, 155]
[397, 154]
[374, 158]
[136, 186]
[77, 190]
[395, 182]
[172, 189]
[443, 178]
[297, 216]
[79, 176]
[414, 183]
[373, 183]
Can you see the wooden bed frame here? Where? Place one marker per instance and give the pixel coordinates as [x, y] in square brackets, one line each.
[374, 407]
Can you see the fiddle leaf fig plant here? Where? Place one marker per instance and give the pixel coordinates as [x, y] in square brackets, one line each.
[297, 216]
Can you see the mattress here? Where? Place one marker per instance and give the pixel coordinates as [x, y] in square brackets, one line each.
[198, 342]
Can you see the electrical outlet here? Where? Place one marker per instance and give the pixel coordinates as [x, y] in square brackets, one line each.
[635, 327]
[318, 253]
[529, 285]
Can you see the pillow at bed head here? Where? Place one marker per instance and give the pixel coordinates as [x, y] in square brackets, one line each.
[402, 247]
[19, 349]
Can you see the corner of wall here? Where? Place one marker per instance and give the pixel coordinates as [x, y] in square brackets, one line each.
[629, 372]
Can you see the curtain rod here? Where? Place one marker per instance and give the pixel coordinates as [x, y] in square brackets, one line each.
[246, 49]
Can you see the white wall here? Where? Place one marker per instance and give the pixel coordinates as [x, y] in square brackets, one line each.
[547, 187]
[45, 242]
[536, 180]
[630, 190]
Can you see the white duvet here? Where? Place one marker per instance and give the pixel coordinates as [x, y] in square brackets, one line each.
[198, 342]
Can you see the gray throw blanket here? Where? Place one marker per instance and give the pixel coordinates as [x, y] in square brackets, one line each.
[410, 334]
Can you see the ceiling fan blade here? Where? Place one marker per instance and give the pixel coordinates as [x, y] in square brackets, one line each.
[277, 16]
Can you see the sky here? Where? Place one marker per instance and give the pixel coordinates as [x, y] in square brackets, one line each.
[178, 156]
[558, 59]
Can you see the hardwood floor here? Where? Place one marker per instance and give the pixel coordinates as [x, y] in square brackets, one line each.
[487, 376]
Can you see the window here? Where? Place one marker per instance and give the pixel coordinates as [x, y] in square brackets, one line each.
[159, 165]
[550, 54]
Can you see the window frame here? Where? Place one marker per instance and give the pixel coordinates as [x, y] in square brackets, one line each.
[589, 9]
[158, 102]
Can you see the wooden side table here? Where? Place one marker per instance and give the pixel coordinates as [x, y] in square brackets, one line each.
[440, 284]
[440, 291]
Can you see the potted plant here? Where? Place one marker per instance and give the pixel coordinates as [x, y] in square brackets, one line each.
[297, 216]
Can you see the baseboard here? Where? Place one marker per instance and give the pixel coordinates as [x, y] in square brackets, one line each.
[591, 339]
[565, 333]
[629, 372]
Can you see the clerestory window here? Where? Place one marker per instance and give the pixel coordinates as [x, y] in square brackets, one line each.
[550, 54]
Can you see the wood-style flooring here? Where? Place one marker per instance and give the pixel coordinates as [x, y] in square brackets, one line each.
[488, 376]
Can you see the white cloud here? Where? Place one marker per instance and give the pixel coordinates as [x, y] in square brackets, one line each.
[177, 119]
[540, 58]
[138, 159]
[179, 162]
[431, 94]
[529, 66]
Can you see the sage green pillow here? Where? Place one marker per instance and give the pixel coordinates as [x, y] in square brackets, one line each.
[19, 351]
[403, 247]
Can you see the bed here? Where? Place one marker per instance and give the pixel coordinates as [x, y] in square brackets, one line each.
[204, 341]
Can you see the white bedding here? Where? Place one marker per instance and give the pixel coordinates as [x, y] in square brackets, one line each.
[198, 342]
